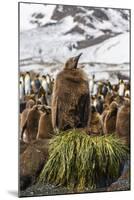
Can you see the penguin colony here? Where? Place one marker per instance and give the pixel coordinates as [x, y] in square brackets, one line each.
[71, 100]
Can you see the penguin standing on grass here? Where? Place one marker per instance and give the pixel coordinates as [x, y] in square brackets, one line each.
[71, 98]
[27, 83]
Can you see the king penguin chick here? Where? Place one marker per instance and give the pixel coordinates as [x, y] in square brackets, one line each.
[31, 125]
[109, 98]
[95, 126]
[27, 82]
[121, 88]
[30, 103]
[104, 113]
[110, 119]
[70, 98]
[45, 129]
[123, 121]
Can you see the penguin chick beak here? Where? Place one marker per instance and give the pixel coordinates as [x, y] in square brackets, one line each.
[76, 59]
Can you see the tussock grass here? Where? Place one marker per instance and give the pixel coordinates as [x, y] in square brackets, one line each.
[79, 161]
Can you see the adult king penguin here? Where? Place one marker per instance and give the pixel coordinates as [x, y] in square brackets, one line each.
[27, 82]
[121, 90]
[21, 91]
[70, 98]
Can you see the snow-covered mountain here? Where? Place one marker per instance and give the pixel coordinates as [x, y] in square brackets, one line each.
[49, 34]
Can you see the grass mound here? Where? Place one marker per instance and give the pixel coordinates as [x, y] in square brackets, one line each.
[80, 162]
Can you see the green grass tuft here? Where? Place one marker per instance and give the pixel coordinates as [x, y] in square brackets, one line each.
[80, 162]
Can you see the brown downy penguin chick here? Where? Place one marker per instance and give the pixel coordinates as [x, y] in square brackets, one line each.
[30, 103]
[42, 96]
[123, 121]
[103, 115]
[45, 129]
[110, 119]
[23, 118]
[119, 100]
[28, 97]
[31, 125]
[70, 98]
[95, 127]
[109, 98]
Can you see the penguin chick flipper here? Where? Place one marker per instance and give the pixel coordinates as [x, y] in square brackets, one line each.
[110, 114]
[55, 113]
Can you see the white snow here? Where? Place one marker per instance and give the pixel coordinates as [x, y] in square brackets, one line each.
[114, 50]
[26, 11]
[57, 46]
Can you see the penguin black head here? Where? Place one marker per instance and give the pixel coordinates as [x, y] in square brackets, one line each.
[114, 105]
[44, 77]
[37, 75]
[93, 76]
[42, 108]
[72, 63]
[93, 109]
[121, 81]
[22, 75]
[126, 102]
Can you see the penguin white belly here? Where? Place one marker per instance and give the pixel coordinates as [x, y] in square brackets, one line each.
[95, 89]
[91, 85]
[27, 86]
[95, 103]
[21, 92]
[127, 93]
[48, 80]
[121, 90]
[45, 86]
[21, 80]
